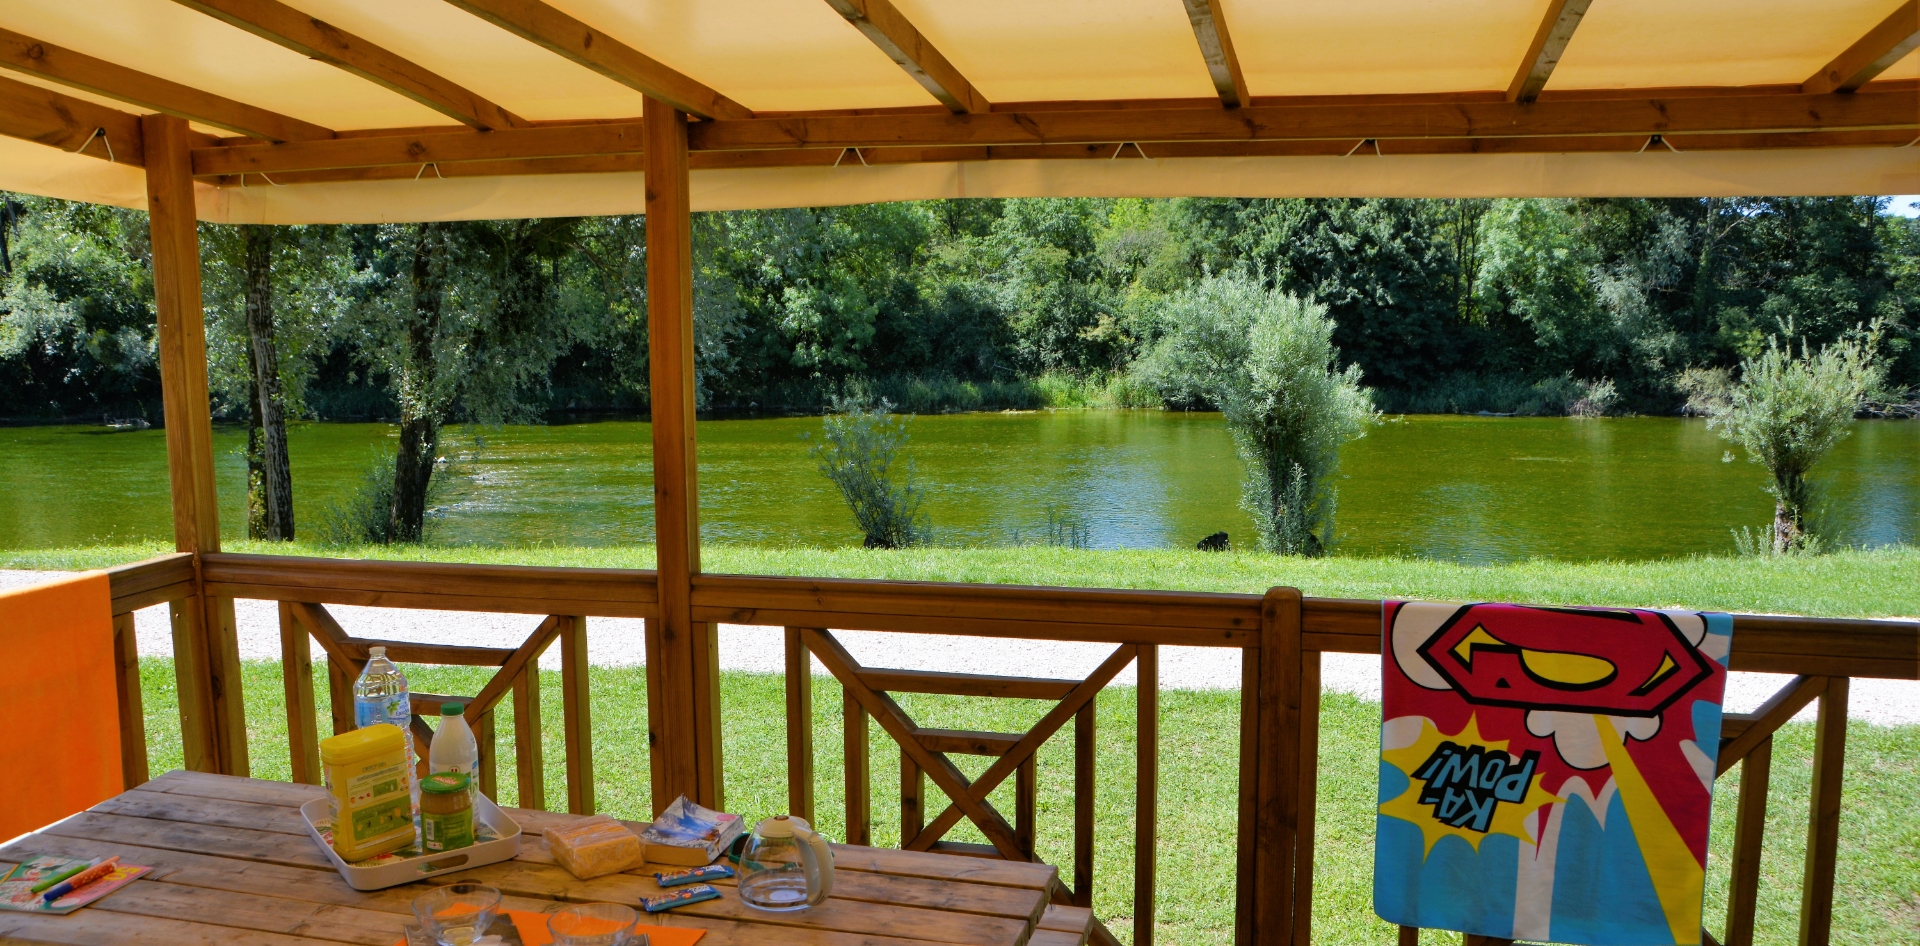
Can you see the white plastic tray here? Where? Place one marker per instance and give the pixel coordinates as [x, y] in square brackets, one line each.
[392, 870]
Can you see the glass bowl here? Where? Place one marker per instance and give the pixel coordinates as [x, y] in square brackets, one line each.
[457, 914]
[595, 924]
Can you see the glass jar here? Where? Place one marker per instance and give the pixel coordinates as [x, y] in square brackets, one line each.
[446, 812]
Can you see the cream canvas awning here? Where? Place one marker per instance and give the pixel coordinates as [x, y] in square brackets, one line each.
[388, 110]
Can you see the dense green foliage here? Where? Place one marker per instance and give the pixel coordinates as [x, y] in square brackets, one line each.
[1787, 412]
[1266, 359]
[1536, 305]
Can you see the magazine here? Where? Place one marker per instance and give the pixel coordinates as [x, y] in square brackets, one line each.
[688, 835]
[16, 889]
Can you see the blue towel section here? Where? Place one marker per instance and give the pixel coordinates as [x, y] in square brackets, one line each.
[1604, 896]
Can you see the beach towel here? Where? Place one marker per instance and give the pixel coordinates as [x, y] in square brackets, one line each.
[1546, 774]
[60, 749]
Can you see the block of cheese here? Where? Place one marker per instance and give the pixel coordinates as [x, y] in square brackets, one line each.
[596, 846]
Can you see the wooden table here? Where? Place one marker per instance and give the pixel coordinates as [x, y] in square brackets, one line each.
[234, 864]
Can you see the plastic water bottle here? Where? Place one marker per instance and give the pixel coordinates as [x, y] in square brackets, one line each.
[380, 696]
[454, 748]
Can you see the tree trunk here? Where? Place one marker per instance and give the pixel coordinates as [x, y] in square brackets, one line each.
[275, 471]
[1789, 513]
[419, 401]
[256, 476]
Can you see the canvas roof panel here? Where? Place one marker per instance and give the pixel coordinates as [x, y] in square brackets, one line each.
[1311, 47]
[1625, 44]
[1058, 50]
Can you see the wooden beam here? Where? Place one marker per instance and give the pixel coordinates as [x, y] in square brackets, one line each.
[317, 39]
[70, 124]
[1870, 55]
[888, 29]
[1774, 113]
[1216, 47]
[539, 23]
[682, 699]
[1174, 132]
[1549, 42]
[31, 56]
[414, 151]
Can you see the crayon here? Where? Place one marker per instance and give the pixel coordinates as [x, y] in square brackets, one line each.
[61, 875]
[82, 879]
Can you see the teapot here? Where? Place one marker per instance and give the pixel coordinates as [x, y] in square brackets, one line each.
[785, 865]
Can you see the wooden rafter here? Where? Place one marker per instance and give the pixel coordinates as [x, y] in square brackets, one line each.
[539, 23]
[70, 124]
[888, 29]
[1543, 54]
[1870, 55]
[1625, 116]
[1708, 123]
[30, 56]
[317, 39]
[1216, 47]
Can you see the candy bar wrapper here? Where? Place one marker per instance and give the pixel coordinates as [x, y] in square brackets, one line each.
[693, 875]
[679, 898]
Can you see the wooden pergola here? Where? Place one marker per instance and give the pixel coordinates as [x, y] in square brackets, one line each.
[256, 111]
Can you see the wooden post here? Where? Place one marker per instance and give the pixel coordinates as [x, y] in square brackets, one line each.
[1146, 797]
[133, 713]
[684, 707]
[1308, 793]
[859, 776]
[1026, 807]
[913, 786]
[489, 756]
[1823, 824]
[576, 714]
[529, 763]
[1249, 791]
[1749, 838]
[1275, 808]
[1083, 760]
[213, 716]
[340, 695]
[296, 675]
[799, 727]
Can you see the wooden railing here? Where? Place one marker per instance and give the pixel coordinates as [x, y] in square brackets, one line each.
[1281, 635]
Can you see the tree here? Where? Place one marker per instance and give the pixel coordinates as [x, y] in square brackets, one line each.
[465, 320]
[1267, 361]
[1787, 412]
[857, 450]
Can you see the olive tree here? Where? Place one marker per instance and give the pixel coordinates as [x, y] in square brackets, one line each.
[1267, 361]
[1787, 412]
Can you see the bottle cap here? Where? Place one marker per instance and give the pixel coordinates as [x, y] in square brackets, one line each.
[451, 709]
[376, 653]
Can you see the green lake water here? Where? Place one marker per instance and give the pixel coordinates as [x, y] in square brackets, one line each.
[1471, 489]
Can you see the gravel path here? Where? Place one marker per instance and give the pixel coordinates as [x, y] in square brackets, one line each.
[615, 642]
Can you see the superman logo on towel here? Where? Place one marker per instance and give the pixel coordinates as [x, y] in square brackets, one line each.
[1546, 774]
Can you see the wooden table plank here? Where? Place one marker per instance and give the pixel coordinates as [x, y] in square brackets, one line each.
[237, 843]
[93, 927]
[206, 811]
[256, 912]
[539, 880]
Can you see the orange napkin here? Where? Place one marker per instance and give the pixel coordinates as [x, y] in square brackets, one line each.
[61, 752]
[533, 931]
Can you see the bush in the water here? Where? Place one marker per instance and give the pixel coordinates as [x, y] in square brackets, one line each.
[1787, 411]
[857, 450]
[1266, 359]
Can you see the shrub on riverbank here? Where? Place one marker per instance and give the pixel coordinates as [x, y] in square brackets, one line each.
[1267, 360]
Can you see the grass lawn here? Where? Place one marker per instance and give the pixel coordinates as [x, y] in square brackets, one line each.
[1879, 583]
[1880, 835]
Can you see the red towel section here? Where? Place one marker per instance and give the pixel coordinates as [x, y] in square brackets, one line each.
[60, 747]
